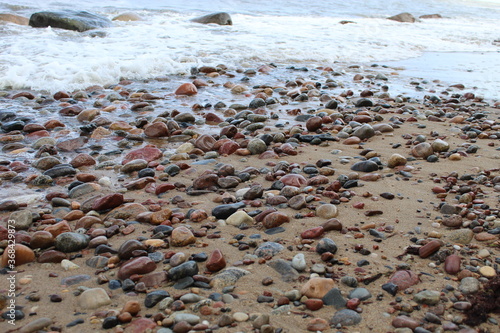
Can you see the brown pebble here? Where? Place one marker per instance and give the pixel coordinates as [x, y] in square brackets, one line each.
[429, 248]
[452, 264]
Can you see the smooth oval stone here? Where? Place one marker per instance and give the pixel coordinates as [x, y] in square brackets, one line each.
[71, 242]
[140, 265]
[128, 247]
[312, 233]
[36, 325]
[97, 262]
[405, 321]
[345, 317]
[52, 256]
[23, 219]
[148, 153]
[327, 211]
[274, 220]
[293, 180]
[454, 221]
[423, 150]
[396, 160]
[326, 245]
[93, 298]
[41, 240]
[256, 146]
[365, 166]
[268, 249]
[22, 255]
[108, 202]
[363, 132]
[360, 293]
[224, 211]
[60, 170]
[469, 285]
[404, 279]
[461, 236]
[299, 262]
[182, 236]
[189, 268]
[429, 297]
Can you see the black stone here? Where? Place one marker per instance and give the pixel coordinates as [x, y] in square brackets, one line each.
[69, 20]
[326, 245]
[110, 322]
[391, 288]
[224, 211]
[188, 268]
[155, 297]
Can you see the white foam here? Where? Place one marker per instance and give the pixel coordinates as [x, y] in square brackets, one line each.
[168, 43]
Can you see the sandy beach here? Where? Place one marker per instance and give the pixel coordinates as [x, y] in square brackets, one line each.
[252, 200]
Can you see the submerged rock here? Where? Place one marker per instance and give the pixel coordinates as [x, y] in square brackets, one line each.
[216, 18]
[69, 20]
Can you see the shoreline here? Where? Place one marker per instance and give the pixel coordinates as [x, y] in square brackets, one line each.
[358, 173]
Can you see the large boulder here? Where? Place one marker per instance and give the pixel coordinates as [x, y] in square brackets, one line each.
[69, 20]
[16, 19]
[217, 18]
[403, 17]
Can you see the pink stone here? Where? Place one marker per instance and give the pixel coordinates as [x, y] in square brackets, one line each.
[312, 233]
[140, 265]
[228, 148]
[52, 256]
[140, 325]
[317, 180]
[108, 202]
[205, 142]
[205, 181]
[404, 321]
[162, 188]
[353, 303]
[58, 228]
[212, 119]
[82, 160]
[318, 324]
[154, 279]
[317, 287]
[404, 279]
[216, 261]
[293, 180]
[148, 153]
[452, 264]
[156, 130]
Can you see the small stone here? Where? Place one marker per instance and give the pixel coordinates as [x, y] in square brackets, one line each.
[317, 287]
[405, 321]
[182, 236]
[345, 317]
[461, 236]
[404, 279]
[187, 89]
[454, 221]
[360, 293]
[334, 297]
[238, 218]
[327, 211]
[274, 220]
[140, 265]
[299, 262]
[68, 265]
[293, 180]
[156, 130]
[326, 245]
[487, 272]
[93, 298]
[469, 285]
[23, 219]
[216, 261]
[452, 264]
[318, 324]
[428, 297]
[256, 146]
[189, 268]
[422, 150]
[240, 317]
[71, 242]
[365, 166]
[36, 325]
[154, 297]
[228, 277]
[396, 160]
[22, 255]
[268, 249]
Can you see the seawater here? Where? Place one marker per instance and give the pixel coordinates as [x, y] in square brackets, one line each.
[284, 32]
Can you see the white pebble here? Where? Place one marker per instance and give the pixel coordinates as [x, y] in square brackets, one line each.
[68, 265]
[105, 181]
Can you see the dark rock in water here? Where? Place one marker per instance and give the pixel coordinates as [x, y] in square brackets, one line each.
[403, 17]
[13, 126]
[155, 297]
[60, 170]
[217, 18]
[365, 166]
[71, 242]
[363, 102]
[224, 211]
[189, 268]
[69, 20]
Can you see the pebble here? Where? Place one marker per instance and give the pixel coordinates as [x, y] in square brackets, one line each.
[317, 287]
[23, 218]
[487, 271]
[360, 293]
[365, 166]
[285, 269]
[189, 268]
[334, 297]
[404, 279]
[327, 211]
[93, 298]
[227, 277]
[461, 236]
[428, 297]
[345, 317]
[154, 297]
[182, 236]
[326, 245]
[469, 285]
[268, 249]
[36, 325]
[215, 261]
[71, 242]
[299, 262]
[238, 218]
[140, 265]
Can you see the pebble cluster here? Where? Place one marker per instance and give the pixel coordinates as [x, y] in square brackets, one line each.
[286, 207]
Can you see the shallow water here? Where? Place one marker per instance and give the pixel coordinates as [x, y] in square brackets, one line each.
[290, 32]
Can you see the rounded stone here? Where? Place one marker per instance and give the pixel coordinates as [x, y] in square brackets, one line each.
[327, 211]
[93, 298]
[256, 146]
[182, 236]
[346, 317]
[239, 218]
[317, 287]
[71, 242]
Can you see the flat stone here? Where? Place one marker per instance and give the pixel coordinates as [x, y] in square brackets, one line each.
[469, 285]
[268, 249]
[285, 269]
[360, 293]
[334, 297]
[189, 268]
[228, 277]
